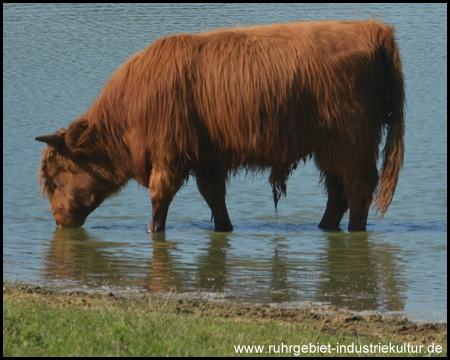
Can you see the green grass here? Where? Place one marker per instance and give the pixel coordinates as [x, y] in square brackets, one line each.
[41, 330]
[35, 326]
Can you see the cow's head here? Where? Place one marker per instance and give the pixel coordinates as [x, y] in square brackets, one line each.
[70, 175]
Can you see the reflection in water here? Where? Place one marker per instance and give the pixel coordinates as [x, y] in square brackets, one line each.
[359, 276]
[211, 269]
[348, 270]
[278, 276]
[162, 276]
[76, 255]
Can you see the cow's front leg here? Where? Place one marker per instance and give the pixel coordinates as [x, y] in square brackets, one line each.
[213, 189]
[163, 186]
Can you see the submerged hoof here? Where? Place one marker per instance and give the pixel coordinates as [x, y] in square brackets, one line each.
[155, 227]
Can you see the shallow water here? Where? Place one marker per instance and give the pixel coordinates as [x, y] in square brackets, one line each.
[55, 60]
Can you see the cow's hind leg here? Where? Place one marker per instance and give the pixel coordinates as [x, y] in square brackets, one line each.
[337, 203]
[359, 190]
[163, 186]
[213, 189]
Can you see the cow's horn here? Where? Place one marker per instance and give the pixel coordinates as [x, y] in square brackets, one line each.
[52, 139]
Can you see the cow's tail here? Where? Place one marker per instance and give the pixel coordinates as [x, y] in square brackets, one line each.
[394, 123]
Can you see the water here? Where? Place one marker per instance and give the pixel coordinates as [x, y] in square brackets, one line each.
[56, 57]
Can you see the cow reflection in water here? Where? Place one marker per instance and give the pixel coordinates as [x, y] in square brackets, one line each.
[351, 272]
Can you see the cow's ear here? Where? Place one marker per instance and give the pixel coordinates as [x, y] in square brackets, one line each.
[81, 137]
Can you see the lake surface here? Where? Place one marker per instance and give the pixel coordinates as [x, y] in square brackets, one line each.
[56, 58]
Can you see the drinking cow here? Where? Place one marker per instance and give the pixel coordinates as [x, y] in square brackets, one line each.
[259, 97]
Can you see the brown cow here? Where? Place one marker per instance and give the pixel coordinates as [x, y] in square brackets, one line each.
[260, 97]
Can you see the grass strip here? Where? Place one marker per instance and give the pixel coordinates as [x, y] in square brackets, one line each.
[46, 323]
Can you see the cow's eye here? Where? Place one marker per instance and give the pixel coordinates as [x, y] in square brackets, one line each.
[58, 185]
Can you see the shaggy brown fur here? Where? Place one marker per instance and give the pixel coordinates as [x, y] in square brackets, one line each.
[260, 97]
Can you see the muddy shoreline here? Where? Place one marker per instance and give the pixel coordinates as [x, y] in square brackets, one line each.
[325, 319]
